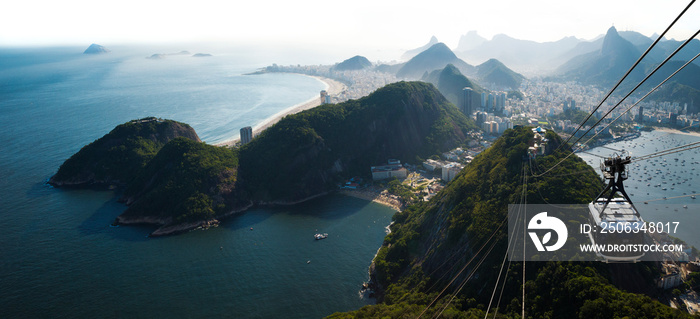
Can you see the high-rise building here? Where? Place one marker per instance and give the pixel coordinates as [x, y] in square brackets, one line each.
[467, 101]
[483, 101]
[246, 135]
[324, 97]
[489, 104]
[480, 118]
[640, 116]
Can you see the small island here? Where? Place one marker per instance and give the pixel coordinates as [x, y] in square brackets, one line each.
[96, 49]
[156, 56]
[201, 55]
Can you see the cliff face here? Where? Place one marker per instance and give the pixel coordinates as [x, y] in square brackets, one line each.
[307, 154]
[115, 158]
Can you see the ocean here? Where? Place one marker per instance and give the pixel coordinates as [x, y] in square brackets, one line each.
[59, 256]
[672, 177]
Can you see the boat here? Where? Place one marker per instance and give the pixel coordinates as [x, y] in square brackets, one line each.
[321, 236]
[608, 212]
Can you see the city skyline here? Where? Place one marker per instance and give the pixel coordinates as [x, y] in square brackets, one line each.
[386, 25]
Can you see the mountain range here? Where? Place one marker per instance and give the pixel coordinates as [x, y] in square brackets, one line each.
[543, 58]
[435, 57]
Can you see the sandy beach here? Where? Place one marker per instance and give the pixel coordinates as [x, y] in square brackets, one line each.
[333, 87]
[675, 131]
[373, 196]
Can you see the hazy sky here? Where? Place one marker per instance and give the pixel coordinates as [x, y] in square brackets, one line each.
[385, 24]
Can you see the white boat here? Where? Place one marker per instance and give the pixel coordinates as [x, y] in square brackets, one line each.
[321, 236]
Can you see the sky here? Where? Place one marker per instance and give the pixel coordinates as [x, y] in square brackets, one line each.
[381, 24]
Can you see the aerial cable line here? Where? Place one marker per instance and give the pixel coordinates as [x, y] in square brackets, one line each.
[636, 87]
[635, 104]
[674, 197]
[640, 84]
[628, 72]
[524, 238]
[511, 241]
[464, 282]
[464, 267]
[668, 152]
[475, 255]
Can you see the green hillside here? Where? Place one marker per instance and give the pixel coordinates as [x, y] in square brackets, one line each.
[117, 157]
[496, 73]
[450, 82]
[308, 153]
[429, 243]
[436, 57]
[355, 63]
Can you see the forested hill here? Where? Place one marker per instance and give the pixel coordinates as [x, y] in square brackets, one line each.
[181, 183]
[117, 157]
[430, 242]
[308, 153]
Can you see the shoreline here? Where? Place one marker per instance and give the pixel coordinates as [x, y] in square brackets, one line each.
[374, 197]
[674, 131]
[333, 87]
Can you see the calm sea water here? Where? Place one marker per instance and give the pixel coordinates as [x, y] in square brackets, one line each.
[666, 176]
[59, 258]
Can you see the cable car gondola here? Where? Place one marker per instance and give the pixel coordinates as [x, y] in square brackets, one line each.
[615, 219]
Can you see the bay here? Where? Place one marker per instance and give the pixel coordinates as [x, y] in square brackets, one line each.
[59, 256]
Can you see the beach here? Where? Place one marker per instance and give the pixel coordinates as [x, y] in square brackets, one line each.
[333, 87]
[374, 195]
[675, 131]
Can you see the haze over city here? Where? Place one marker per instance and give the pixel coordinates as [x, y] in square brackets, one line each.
[363, 24]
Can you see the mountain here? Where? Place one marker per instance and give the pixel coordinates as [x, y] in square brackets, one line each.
[174, 181]
[188, 184]
[95, 49]
[116, 158]
[307, 154]
[498, 75]
[435, 246]
[523, 55]
[605, 66]
[450, 83]
[470, 41]
[411, 53]
[355, 63]
[434, 58]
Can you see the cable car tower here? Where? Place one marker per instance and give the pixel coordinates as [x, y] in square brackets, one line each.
[616, 219]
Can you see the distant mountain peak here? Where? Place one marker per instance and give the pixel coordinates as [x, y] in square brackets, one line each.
[411, 53]
[95, 49]
[470, 41]
[435, 57]
[613, 43]
[357, 62]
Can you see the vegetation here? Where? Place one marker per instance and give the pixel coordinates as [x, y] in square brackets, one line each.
[450, 82]
[495, 72]
[401, 190]
[430, 242]
[186, 181]
[309, 153]
[434, 58]
[355, 63]
[117, 157]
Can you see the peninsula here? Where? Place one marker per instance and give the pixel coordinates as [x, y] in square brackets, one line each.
[179, 183]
